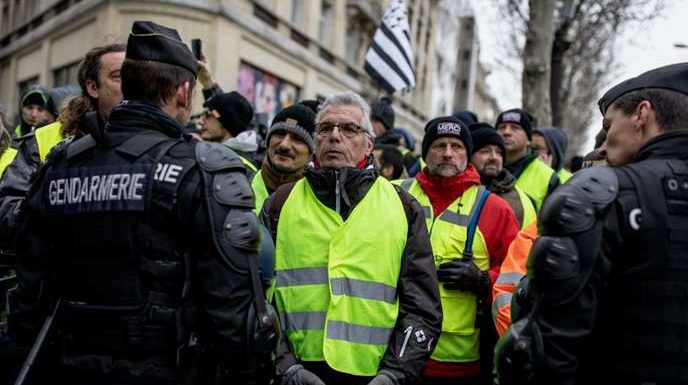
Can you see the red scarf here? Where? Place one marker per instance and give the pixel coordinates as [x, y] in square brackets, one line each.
[443, 191]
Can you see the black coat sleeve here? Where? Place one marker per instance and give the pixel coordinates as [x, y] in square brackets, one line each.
[269, 216]
[419, 322]
[559, 309]
[14, 186]
[223, 291]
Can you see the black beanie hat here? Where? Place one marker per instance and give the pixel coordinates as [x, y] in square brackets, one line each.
[383, 111]
[235, 112]
[446, 126]
[517, 116]
[468, 117]
[36, 95]
[154, 42]
[484, 134]
[298, 119]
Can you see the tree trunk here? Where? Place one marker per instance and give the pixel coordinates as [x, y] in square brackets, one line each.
[537, 59]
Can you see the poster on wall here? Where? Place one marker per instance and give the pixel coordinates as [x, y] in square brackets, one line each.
[268, 93]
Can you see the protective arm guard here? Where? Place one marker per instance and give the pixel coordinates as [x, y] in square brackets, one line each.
[237, 238]
[559, 305]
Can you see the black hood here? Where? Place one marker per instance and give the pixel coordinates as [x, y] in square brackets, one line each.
[557, 142]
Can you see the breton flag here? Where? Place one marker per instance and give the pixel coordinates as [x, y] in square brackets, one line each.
[389, 58]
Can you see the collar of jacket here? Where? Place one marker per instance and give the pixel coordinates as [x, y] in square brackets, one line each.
[518, 166]
[668, 145]
[443, 191]
[274, 178]
[341, 189]
[131, 116]
[502, 183]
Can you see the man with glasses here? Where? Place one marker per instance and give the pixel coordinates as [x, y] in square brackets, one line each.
[226, 119]
[355, 279]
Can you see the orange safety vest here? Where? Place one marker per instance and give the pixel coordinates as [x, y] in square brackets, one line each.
[510, 273]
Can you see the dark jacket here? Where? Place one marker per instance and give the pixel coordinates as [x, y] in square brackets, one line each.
[146, 273]
[612, 312]
[19, 175]
[504, 185]
[419, 302]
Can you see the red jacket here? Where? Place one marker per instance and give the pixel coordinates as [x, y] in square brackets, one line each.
[498, 225]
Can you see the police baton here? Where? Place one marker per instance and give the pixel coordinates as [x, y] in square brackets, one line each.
[37, 345]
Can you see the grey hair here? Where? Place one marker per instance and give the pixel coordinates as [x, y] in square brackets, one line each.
[349, 98]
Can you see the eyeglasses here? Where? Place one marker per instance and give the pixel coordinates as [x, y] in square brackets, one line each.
[347, 129]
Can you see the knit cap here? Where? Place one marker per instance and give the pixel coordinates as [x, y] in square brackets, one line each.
[298, 119]
[446, 126]
[517, 116]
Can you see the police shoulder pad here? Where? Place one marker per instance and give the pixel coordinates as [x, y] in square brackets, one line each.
[214, 157]
[575, 205]
[76, 146]
[599, 184]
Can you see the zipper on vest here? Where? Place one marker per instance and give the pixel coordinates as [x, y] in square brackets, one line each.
[337, 204]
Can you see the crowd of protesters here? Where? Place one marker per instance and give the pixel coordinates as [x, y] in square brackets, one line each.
[328, 249]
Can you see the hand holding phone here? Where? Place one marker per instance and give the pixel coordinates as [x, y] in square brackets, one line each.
[196, 45]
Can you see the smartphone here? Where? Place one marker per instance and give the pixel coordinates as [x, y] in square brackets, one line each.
[196, 48]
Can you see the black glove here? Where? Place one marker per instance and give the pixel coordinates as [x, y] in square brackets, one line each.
[297, 375]
[461, 275]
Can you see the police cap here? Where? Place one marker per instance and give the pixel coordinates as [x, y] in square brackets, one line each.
[154, 42]
[672, 77]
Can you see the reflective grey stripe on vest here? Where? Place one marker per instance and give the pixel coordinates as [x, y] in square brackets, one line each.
[307, 320]
[509, 278]
[427, 212]
[406, 184]
[338, 330]
[460, 219]
[302, 276]
[454, 218]
[364, 289]
[502, 299]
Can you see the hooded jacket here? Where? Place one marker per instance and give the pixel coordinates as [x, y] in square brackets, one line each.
[24, 127]
[419, 301]
[557, 143]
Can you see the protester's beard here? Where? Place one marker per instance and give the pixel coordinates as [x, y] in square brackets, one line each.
[447, 170]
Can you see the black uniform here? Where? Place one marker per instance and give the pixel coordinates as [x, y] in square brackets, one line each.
[607, 298]
[146, 240]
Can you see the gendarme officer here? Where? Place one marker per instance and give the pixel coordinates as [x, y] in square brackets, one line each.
[144, 244]
[608, 290]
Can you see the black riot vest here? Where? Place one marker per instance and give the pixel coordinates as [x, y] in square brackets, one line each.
[643, 331]
[122, 257]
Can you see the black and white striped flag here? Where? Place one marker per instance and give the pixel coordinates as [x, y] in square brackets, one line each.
[389, 60]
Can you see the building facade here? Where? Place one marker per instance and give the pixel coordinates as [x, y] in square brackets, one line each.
[272, 51]
[471, 91]
[459, 76]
